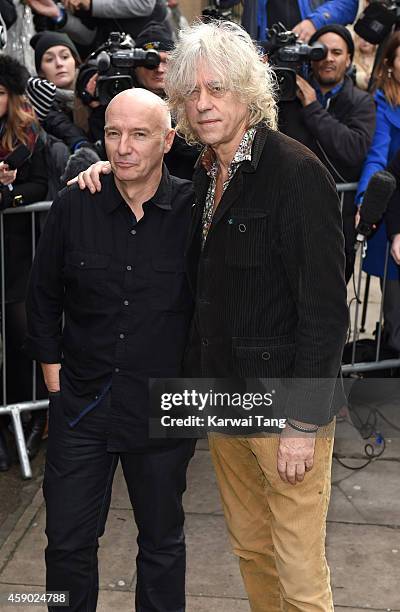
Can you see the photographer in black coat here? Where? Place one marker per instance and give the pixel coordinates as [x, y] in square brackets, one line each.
[181, 159]
[334, 119]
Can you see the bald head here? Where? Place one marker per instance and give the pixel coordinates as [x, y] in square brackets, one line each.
[137, 135]
[136, 101]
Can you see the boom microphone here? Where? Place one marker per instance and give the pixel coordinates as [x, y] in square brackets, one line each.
[377, 195]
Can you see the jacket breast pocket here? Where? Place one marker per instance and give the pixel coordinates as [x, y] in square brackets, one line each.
[248, 238]
[170, 292]
[87, 272]
[264, 357]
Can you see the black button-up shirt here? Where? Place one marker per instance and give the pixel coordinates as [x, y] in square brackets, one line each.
[123, 291]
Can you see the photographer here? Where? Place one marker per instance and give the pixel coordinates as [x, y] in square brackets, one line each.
[304, 17]
[155, 38]
[334, 119]
[98, 18]
[181, 158]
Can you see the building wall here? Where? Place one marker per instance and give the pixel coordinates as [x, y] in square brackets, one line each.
[192, 8]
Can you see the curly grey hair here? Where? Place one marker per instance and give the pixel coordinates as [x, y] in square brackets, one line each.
[229, 52]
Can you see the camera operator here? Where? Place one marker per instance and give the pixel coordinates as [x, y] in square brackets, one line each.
[98, 18]
[304, 17]
[181, 158]
[334, 119]
[155, 38]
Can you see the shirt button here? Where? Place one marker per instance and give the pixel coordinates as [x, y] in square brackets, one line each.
[129, 268]
[133, 232]
[126, 303]
[122, 336]
[116, 370]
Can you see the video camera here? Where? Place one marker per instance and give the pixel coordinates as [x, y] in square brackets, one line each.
[220, 9]
[114, 62]
[289, 57]
[377, 21]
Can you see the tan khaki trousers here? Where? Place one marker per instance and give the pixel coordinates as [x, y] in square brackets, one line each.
[277, 529]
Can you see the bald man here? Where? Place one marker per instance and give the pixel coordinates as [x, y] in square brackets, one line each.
[113, 263]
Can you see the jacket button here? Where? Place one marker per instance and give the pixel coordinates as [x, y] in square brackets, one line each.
[242, 228]
[265, 355]
[205, 342]
[82, 263]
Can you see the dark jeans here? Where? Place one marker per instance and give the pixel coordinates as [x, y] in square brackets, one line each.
[77, 489]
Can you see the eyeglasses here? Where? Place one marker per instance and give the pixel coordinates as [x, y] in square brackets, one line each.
[216, 90]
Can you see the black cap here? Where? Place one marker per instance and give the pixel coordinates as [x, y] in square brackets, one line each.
[13, 75]
[155, 36]
[44, 40]
[338, 29]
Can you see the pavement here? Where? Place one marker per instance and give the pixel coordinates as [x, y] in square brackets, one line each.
[363, 531]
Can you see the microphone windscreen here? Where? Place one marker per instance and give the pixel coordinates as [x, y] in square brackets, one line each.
[377, 195]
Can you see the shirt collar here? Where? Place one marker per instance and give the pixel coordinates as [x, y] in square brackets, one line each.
[323, 98]
[244, 152]
[161, 199]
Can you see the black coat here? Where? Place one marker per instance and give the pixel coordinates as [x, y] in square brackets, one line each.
[8, 12]
[340, 136]
[31, 184]
[269, 284]
[59, 123]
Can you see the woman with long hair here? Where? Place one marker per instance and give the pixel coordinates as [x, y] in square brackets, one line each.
[25, 185]
[385, 144]
[52, 93]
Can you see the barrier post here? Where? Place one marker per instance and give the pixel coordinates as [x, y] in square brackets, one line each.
[15, 410]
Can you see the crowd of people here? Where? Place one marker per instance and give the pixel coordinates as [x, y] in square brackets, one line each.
[71, 113]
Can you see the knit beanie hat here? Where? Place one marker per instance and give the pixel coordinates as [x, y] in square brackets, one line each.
[44, 40]
[155, 36]
[338, 29]
[13, 75]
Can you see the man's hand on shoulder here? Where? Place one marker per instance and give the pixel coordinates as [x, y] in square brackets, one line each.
[90, 178]
[295, 454]
[305, 92]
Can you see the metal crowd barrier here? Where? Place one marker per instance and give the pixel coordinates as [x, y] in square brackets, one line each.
[15, 410]
[378, 364]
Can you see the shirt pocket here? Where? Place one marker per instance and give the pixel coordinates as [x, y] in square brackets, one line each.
[248, 241]
[169, 292]
[264, 357]
[86, 272]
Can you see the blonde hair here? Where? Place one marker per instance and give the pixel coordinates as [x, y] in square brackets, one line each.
[235, 60]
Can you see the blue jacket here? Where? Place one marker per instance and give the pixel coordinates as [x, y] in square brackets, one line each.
[385, 144]
[319, 11]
